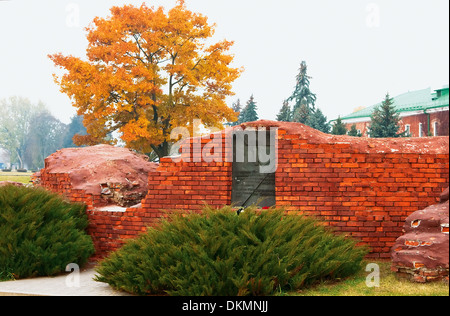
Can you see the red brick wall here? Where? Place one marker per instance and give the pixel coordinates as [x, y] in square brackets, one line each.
[109, 230]
[368, 195]
[352, 184]
[61, 183]
[187, 185]
[182, 186]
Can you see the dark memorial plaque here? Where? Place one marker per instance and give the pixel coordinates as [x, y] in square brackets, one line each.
[250, 185]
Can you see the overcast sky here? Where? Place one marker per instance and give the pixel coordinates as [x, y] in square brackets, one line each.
[356, 50]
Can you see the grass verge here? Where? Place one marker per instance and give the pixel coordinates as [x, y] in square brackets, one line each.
[389, 285]
[16, 177]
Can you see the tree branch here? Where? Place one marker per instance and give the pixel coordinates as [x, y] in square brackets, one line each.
[136, 38]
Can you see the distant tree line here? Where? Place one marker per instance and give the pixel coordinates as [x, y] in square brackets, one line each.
[300, 107]
[303, 108]
[248, 113]
[384, 123]
[30, 133]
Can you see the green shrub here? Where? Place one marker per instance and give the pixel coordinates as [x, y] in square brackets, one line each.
[40, 233]
[218, 253]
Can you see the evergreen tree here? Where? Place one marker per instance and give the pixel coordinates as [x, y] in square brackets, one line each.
[237, 108]
[75, 127]
[249, 113]
[302, 94]
[339, 127]
[319, 121]
[285, 114]
[385, 120]
[301, 114]
[354, 132]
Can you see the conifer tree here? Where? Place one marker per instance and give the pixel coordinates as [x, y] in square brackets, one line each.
[385, 120]
[339, 127]
[302, 94]
[285, 114]
[319, 121]
[249, 113]
[237, 108]
[301, 114]
[354, 132]
[74, 128]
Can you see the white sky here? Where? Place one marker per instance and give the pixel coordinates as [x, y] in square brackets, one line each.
[356, 50]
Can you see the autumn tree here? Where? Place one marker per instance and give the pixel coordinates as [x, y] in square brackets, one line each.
[148, 71]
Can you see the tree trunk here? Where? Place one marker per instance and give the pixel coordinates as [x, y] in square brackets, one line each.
[20, 160]
[162, 150]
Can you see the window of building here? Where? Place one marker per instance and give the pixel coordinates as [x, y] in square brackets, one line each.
[408, 129]
[420, 130]
[435, 128]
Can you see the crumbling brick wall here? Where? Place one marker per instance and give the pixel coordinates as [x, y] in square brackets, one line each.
[181, 186]
[366, 192]
[362, 187]
[102, 177]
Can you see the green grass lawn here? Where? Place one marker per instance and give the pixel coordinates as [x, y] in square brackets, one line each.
[22, 177]
[390, 285]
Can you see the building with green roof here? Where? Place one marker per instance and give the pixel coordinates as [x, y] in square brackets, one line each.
[422, 112]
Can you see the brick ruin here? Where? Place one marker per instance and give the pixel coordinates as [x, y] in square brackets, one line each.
[362, 187]
[99, 176]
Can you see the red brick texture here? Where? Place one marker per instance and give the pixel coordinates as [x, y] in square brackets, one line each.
[362, 187]
[368, 195]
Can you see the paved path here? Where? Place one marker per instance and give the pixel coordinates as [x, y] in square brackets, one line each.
[64, 285]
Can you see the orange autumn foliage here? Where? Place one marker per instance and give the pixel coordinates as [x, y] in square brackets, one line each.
[147, 72]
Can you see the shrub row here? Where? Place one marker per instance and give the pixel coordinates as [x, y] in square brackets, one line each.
[215, 252]
[40, 233]
[218, 253]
